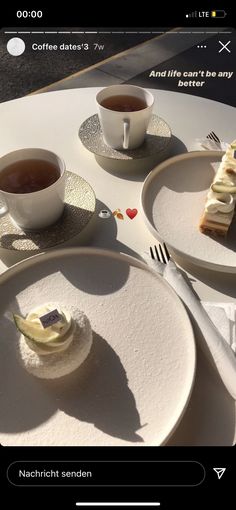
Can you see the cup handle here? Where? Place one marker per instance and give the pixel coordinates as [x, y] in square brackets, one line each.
[3, 209]
[126, 134]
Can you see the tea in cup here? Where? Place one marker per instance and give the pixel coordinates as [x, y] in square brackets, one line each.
[32, 187]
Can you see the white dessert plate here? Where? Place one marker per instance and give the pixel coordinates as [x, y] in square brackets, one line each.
[136, 382]
[173, 198]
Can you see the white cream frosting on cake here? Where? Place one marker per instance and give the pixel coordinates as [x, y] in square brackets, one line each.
[221, 198]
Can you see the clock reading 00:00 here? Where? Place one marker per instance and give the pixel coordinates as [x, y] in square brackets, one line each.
[29, 14]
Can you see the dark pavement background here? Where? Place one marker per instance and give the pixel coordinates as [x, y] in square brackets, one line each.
[33, 69]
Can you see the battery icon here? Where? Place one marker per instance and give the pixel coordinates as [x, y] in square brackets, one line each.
[218, 14]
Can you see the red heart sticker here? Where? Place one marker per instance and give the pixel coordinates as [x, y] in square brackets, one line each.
[131, 213]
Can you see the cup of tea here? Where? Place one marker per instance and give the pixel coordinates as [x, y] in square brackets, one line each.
[32, 187]
[124, 112]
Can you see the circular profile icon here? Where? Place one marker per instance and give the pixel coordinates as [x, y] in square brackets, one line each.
[15, 46]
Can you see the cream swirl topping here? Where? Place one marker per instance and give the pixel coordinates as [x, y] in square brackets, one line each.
[222, 194]
[56, 337]
[219, 202]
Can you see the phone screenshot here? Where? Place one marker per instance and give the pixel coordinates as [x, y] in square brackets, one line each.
[117, 258]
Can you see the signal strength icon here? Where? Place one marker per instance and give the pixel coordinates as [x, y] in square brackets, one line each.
[191, 15]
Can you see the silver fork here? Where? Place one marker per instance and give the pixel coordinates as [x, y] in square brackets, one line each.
[214, 137]
[162, 254]
[212, 342]
[160, 258]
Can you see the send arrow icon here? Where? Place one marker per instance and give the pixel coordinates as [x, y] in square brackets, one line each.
[219, 472]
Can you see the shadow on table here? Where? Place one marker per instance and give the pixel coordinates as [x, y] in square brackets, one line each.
[137, 169]
[105, 233]
[75, 222]
[230, 240]
[98, 393]
[224, 283]
[92, 274]
[20, 394]
[91, 277]
[210, 417]
[100, 233]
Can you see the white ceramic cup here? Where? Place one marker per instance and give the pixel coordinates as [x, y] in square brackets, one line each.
[124, 130]
[39, 209]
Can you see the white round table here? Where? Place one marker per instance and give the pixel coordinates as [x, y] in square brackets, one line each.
[51, 120]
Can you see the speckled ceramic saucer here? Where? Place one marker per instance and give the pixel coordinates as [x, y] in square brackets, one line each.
[157, 139]
[80, 203]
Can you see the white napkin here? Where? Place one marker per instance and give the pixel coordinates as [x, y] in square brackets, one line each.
[223, 316]
[210, 145]
[214, 342]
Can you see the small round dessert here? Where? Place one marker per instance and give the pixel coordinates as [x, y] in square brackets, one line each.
[57, 350]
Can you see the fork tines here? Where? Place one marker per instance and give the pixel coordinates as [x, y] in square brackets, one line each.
[166, 252]
[213, 136]
[160, 253]
[151, 253]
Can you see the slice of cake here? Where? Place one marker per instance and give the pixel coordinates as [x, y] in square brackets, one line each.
[221, 198]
